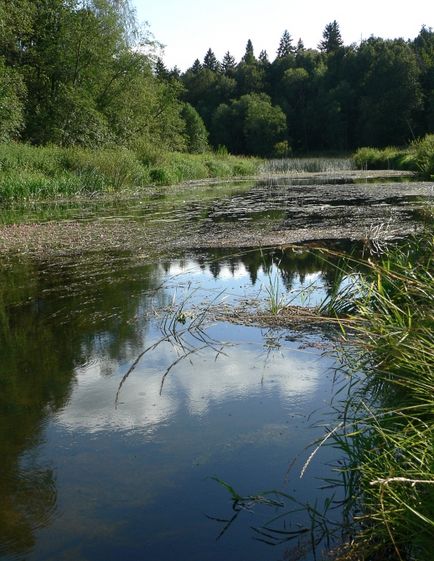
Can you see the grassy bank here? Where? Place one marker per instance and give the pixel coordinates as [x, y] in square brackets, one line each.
[29, 172]
[418, 157]
[388, 422]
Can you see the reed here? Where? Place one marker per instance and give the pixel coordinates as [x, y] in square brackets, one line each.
[387, 433]
[48, 172]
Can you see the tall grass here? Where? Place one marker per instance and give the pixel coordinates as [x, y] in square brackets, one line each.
[418, 157]
[29, 172]
[303, 165]
[388, 434]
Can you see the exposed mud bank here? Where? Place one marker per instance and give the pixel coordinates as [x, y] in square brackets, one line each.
[273, 211]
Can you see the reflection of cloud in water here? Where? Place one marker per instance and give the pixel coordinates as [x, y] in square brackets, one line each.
[287, 376]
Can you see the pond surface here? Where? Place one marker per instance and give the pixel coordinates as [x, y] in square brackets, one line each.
[122, 399]
[92, 470]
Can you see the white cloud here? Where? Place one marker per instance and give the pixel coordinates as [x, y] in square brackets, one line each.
[196, 387]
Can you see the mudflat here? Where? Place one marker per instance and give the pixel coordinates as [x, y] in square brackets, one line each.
[270, 211]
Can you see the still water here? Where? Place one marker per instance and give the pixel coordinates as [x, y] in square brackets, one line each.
[97, 465]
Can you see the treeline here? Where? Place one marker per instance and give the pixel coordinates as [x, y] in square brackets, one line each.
[83, 73]
[336, 97]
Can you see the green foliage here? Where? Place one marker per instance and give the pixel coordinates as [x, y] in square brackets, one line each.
[12, 94]
[332, 39]
[228, 64]
[375, 158]
[86, 84]
[77, 73]
[387, 433]
[29, 172]
[249, 55]
[422, 153]
[285, 46]
[250, 125]
[282, 149]
[210, 61]
[390, 92]
[419, 157]
[195, 130]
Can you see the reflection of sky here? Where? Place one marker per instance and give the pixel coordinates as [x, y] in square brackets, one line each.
[136, 479]
[196, 385]
[288, 375]
[133, 481]
[236, 283]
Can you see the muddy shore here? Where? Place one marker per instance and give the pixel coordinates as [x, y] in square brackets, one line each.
[274, 211]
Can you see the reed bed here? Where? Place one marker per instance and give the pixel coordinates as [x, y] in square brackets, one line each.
[48, 172]
[308, 165]
[387, 429]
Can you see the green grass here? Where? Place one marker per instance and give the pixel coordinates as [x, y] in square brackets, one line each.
[308, 165]
[388, 421]
[418, 157]
[31, 173]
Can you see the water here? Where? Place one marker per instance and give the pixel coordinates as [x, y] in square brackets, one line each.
[121, 402]
[88, 476]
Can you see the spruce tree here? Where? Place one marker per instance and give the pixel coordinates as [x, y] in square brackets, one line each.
[285, 46]
[161, 69]
[228, 63]
[263, 57]
[197, 67]
[249, 56]
[210, 61]
[300, 47]
[332, 39]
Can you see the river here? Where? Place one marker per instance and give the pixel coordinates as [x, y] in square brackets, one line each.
[129, 404]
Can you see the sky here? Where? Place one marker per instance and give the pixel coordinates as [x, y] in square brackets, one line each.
[188, 28]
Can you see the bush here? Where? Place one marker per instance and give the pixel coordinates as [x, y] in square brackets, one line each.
[418, 157]
[374, 158]
[117, 168]
[422, 152]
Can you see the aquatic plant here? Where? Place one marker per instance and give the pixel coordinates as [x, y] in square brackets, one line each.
[418, 157]
[46, 172]
[307, 165]
[387, 432]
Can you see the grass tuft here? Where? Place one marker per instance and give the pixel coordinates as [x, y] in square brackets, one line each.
[45, 172]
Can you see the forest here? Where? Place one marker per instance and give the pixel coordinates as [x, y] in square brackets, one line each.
[85, 73]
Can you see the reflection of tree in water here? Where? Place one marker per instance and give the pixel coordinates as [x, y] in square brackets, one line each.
[52, 320]
[292, 264]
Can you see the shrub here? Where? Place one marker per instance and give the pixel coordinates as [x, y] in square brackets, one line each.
[422, 151]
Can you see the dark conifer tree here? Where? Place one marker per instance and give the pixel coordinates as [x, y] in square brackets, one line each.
[285, 46]
[263, 57]
[228, 64]
[332, 39]
[210, 61]
[196, 66]
[175, 73]
[161, 69]
[300, 47]
[249, 56]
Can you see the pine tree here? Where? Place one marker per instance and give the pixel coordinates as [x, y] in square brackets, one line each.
[175, 73]
[285, 46]
[197, 67]
[300, 47]
[332, 39]
[263, 57]
[210, 61]
[161, 69]
[228, 63]
[249, 56]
